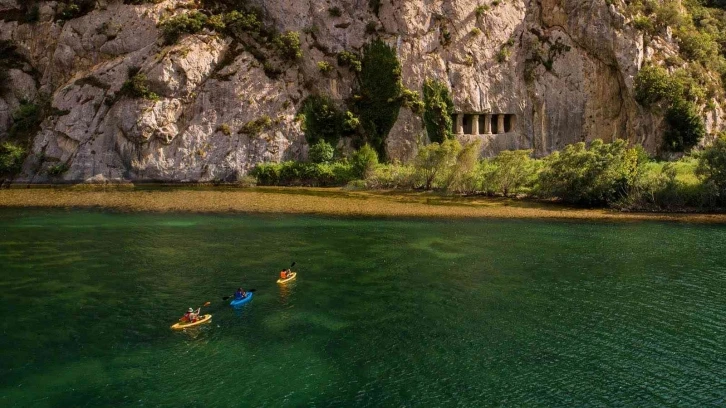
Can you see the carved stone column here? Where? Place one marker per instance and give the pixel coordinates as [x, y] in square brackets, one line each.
[487, 124]
[500, 123]
[474, 124]
[459, 128]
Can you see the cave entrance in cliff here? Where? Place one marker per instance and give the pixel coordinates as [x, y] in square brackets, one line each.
[510, 121]
[484, 125]
[495, 125]
[468, 124]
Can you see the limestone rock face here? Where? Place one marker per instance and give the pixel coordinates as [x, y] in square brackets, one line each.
[562, 69]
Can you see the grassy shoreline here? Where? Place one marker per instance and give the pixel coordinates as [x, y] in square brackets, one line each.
[319, 201]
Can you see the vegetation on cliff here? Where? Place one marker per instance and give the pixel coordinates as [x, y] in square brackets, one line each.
[683, 86]
[372, 111]
[11, 158]
[245, 25]
[380, 86]
[323, 120]
[137, 86]
[438, 110]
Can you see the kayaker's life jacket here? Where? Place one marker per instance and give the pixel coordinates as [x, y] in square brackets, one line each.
[283, 275]
[187, 317]
[239, 295]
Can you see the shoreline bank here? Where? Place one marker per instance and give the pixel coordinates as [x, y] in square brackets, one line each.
[316, 201]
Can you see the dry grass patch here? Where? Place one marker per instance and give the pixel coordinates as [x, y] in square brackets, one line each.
[326, 201]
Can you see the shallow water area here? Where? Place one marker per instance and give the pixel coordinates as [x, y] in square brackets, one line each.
[382, 313]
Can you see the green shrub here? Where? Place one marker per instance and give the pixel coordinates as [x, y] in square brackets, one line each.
[445, 36]
[321, 152]
[68, 10]
[668, 14]
[644, 23]
[438, 110]
[288, 44]
[503, 54]
[475, 32]
[11, 158]
[137, 86]
[666, 186]
[685, 127]
[322, 120]
[653, 84]
[391, 176]
[697, 46]
[601, 174]
[292, 173]
[712, 167]
[267, 173]
[26, 119]
[462, 177]
[511, 171]
[237, 23]
[411, 100]
[58, 169]
[335, 11]
[380, 89]
[481, 9]
[188, 23]
[434, 162]
[256, 126]
[216, 23]
[325, 67]
[225, 129]
[271, 71]
[351, 123]
[350, 60]
[364, 161]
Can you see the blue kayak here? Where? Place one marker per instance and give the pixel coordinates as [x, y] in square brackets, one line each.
[240, 302]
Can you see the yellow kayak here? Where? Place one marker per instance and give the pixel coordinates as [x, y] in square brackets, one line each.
[182, 326]
[288, 279]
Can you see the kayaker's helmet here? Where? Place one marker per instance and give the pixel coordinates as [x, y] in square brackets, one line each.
[190, 310]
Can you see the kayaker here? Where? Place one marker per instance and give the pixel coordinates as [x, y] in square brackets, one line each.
[240, 294]
[283, 274]
[190, 316]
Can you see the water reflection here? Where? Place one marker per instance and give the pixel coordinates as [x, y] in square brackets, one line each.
[286, 291]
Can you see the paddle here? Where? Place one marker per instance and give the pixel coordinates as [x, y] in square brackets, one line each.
[204, 305]
[250, 290]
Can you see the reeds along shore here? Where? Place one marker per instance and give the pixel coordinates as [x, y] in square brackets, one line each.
[331, 201]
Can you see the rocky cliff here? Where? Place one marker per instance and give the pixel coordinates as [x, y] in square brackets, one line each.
[561, 70]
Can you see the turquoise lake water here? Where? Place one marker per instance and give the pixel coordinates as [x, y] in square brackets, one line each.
[383, 312]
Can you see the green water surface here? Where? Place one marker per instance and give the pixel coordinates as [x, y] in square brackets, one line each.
[383, 312]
